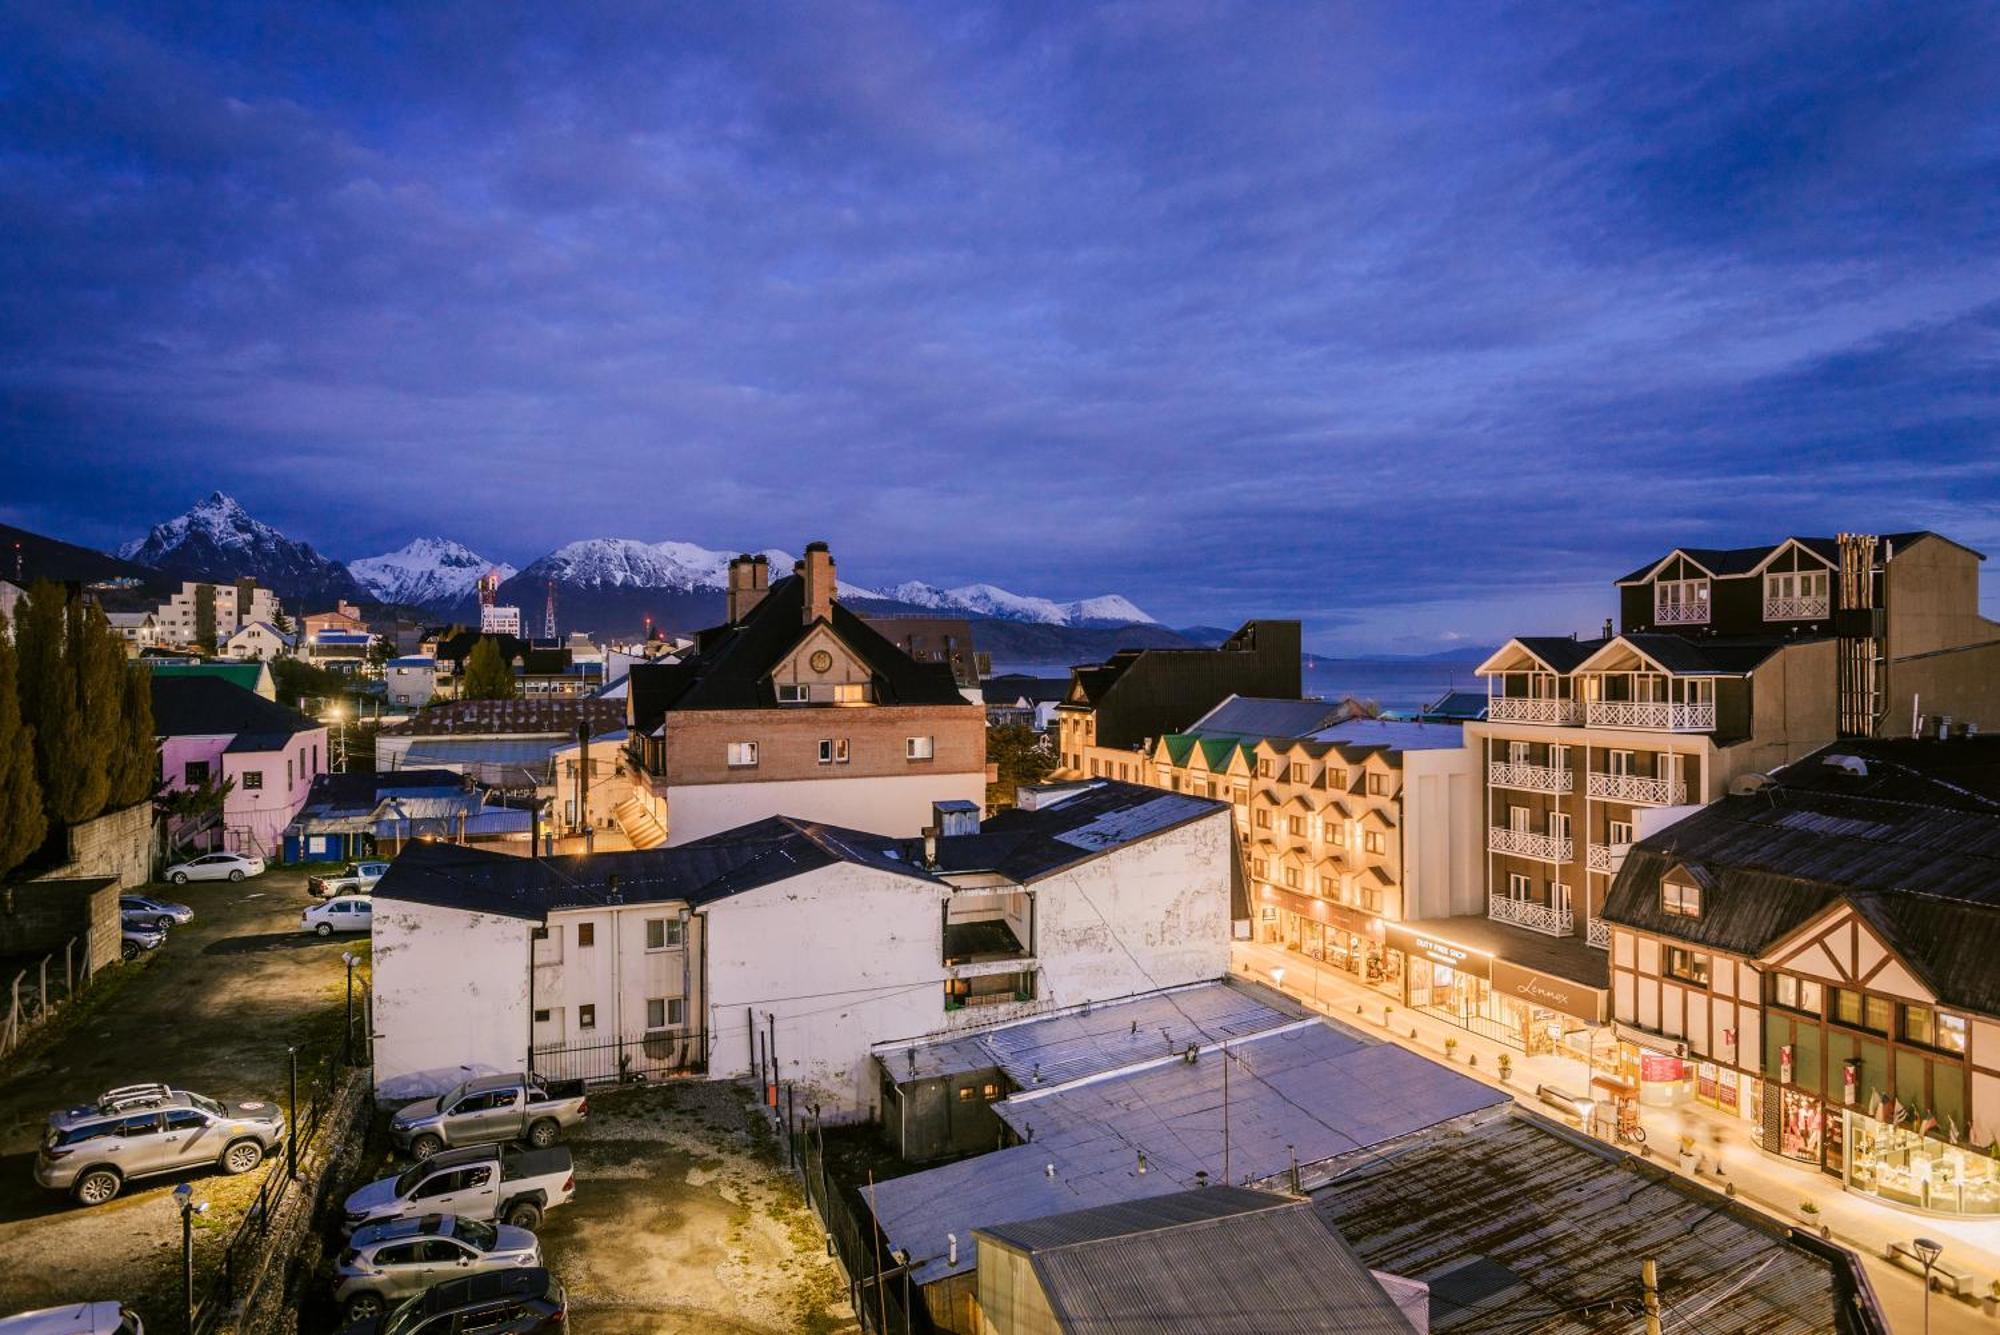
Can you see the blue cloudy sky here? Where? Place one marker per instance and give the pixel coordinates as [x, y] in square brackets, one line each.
[1419, 322]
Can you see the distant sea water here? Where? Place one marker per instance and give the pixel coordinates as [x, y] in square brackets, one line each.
[1399, 685]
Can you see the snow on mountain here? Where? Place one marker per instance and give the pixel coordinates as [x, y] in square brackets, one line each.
[425, 571]
[218, 540]
[990, 600]
[597, 563]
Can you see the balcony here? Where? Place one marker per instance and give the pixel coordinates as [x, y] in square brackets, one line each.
[1597, 932]
[1607, 858]
[1532, 778]
[1653, 715]
[1533, 709]
[1529, 844]
[1681, 614]
[1637, 788]
[1796, 609]
[1543, 918]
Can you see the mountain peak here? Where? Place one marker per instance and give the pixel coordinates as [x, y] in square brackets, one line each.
[217, 539]
[425, 571]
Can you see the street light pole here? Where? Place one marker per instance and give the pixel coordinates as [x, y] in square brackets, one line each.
[1928, 1252]
[292, 1136]
[184, 1197]
[350, 959]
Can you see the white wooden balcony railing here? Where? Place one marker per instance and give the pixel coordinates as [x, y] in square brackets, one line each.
[1681, 614]
[1533, 709]
[1597, 932]
[1663, 792]
[1529, 844]
[1795, 609]
[1607, 858]
[1544, 918]
[1533, 778]
[1653, 715]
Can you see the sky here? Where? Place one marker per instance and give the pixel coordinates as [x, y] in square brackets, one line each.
[1422, 323]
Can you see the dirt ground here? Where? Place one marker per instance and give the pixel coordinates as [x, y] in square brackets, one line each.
[213, 1011]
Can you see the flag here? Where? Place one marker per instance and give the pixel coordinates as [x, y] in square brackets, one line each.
[1951, 1129]
[1900, 1115]
[1874, 1103]
[1927, 1125]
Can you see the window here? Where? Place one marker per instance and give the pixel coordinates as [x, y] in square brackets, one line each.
[1517, 886]
[1687, 966]
[1261, 819]
[850, 693]
[792, 693]
[253, 779]
[833, 751]
[989, 1091]
[663, 933]
[185, 1119]
[1371, 900]
[676, 1011]
[1618, 832]
[1378, 784]
[195, 773]
[1680, 901]
[1519, 819]
[586, 1017]
[1292, 877]
[1373, 842]
[288, 772]
[1301, 772]
[1797, 994]
[1336, 778]
[965, 1093]
[586, 934]
[656, 1012]
[1336, 834]
[742, 755]
[1298, 826]
[1558, 825]
[1933, 1029]
[1680, 600]
[541, 1017]
[1517, 753]
[920, 748]
[1858, 1010]
[1618, 762]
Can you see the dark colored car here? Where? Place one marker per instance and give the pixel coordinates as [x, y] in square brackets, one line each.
[500, 1302]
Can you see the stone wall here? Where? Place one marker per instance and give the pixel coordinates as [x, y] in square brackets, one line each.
[42, 917]
[119, 844]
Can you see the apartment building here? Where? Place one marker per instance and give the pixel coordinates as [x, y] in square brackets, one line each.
[796, 706]
[210, 613]
[1347, 825]
[1115, 709]
[1727, 662]
[1816, 956]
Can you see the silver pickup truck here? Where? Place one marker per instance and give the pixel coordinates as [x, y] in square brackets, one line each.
[489, 1110]
[490, 1183]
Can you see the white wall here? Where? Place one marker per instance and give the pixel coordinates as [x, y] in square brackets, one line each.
[616, 973]
[897, 805]
[1443, 873]
[451, 997]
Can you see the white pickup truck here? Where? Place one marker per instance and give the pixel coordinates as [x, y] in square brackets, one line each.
[356, 878]
[488, 1183]
[490, 1108]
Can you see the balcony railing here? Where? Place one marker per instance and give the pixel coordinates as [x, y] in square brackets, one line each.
[1597, 932]
[1544, 918]
[1637, 788]
[1534, 778]
[1681, 614]
[1606, 858]
[1795, 609]
[1654, 715]
[1529, 844]
[1532, 709]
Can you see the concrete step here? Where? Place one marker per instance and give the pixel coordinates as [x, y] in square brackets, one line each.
[639, 824]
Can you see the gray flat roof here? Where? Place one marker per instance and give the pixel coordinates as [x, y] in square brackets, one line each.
[1397, 734]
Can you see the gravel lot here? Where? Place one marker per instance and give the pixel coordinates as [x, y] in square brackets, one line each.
[212, 1010]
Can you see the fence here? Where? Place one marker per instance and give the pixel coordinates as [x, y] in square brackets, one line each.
[30, 1004]
[244, 1266]
[662, 1055]
[879, 1287]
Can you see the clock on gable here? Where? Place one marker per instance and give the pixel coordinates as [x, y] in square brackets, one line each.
[821, 661]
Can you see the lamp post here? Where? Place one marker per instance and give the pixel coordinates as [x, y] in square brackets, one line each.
[292, 1125]
[350, 959]
[1928, 1252]
[184, 1197]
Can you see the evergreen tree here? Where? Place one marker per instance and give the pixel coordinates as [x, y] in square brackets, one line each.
[49, 703]
[135, 760]
[487, 676]
[97, 658]
[22, 823]
[1020, 756]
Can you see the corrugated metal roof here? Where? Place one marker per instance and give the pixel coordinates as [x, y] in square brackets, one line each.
[1394, 734]
[1129, 1218]
[1258, 716]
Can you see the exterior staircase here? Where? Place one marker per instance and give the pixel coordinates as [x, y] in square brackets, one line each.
[639, 824]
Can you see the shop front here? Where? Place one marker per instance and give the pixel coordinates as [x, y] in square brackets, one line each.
[1902, 1166]
[1663, 1074]
[1521, 1007]
[1333, 934]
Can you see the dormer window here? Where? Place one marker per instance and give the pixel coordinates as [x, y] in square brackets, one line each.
[1795, 595]
[1680, 602]
[793, 693]
[1680, 899]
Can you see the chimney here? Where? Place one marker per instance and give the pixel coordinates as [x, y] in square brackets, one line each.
[749, 581]
[817, 569]
[1607, 628]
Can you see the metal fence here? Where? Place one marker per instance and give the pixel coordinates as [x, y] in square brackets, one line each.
[663, 1055]
[38, 992]
[879, 1287]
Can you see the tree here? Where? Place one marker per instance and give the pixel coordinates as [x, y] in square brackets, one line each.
[487, 676]
[135, 759]
[49, 703]
[22, 823]
[97, 659]
[1021, 756]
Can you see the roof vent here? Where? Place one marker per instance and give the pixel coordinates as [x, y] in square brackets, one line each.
[1745, 784]
[1854, 765]
[1943, 726]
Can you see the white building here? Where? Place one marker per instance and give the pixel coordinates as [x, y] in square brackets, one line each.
[235, 605]
[793, 947]
[494, 620]
[259, 640]
[139, 629]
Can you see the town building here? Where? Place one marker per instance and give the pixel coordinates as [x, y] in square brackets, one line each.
[203, 613]
[213, 732]
[140, 629]
[344, 619]
[1115, 709]
[248, 674]
[341, 651]
[503, 744]
[1017, 698]
[796, 706]
[1816, 955]
[259, 640]
[786, 949]
[938, 640]
[363, 814]
[1727, 662]
[410, 682]
[543, 669]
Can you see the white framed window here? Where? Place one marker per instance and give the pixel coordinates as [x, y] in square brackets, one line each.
[919, 748]
[1618, 762]
[1517, 753]
[1618, 832]
[1559, 895]
[1520, 819]
[1558, 825]
[833, 751]
[850, 693]
[742, 755]
[1518, 886]
[1680, 600]
[1680, 900]
[663, 933]
[793, 693]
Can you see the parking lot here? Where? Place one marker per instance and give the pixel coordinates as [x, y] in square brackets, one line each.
[212, 1010]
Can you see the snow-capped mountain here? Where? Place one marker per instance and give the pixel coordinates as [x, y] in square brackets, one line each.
[990, 600]
[218, 540]
[425, 571]
[619, 563]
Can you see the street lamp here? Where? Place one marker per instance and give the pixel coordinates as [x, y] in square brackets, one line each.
[350, 959]
[1928, 1252]
[184, 1197]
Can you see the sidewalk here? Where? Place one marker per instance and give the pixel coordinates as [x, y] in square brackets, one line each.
[1727, 1156]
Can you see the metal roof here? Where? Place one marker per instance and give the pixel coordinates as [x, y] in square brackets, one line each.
[1258, 716]
[1394, 734]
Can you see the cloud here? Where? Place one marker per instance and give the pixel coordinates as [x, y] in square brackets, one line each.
[1421, 327]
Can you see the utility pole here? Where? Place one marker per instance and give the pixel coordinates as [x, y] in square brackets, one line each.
[1649, 1279]
[1225, 1114]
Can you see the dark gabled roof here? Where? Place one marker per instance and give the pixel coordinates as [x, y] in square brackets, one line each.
[504, 718]
[1026, 845]
[362, 790]
[199, 706]
[1724, 562]
[1458, 706]
[1256, 716]
[1715, 657]
[1219, 1259]
[1561, 652]
[1011, 686]
[730, 666]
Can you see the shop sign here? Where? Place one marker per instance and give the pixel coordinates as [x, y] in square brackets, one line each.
[1660, 1068]
[1557, 994]
[1785, 1064]
[1850, 1079]
[1440, 952]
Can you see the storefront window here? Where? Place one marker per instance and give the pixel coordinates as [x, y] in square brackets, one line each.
[1896, 1164]
[1799, 1127]
[1921, 1024]
[1860, 1011]
[1797, 994]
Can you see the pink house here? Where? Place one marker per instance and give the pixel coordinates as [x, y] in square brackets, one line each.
[211, 729]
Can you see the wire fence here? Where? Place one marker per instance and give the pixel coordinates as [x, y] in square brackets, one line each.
[880, 1288]
[38, 992]
[661, 1055]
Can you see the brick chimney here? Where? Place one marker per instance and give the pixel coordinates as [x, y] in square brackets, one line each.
[817, 571]
[749, 581]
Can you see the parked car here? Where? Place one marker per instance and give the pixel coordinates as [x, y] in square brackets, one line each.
[136, 941]
[385, 1263]
[144, 1130]
[145, 911]
[105, 1318]
[349, 913]
[216, 867]
[489, 1109]
[504, 1302]
[358, 878]
[487, 1183]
